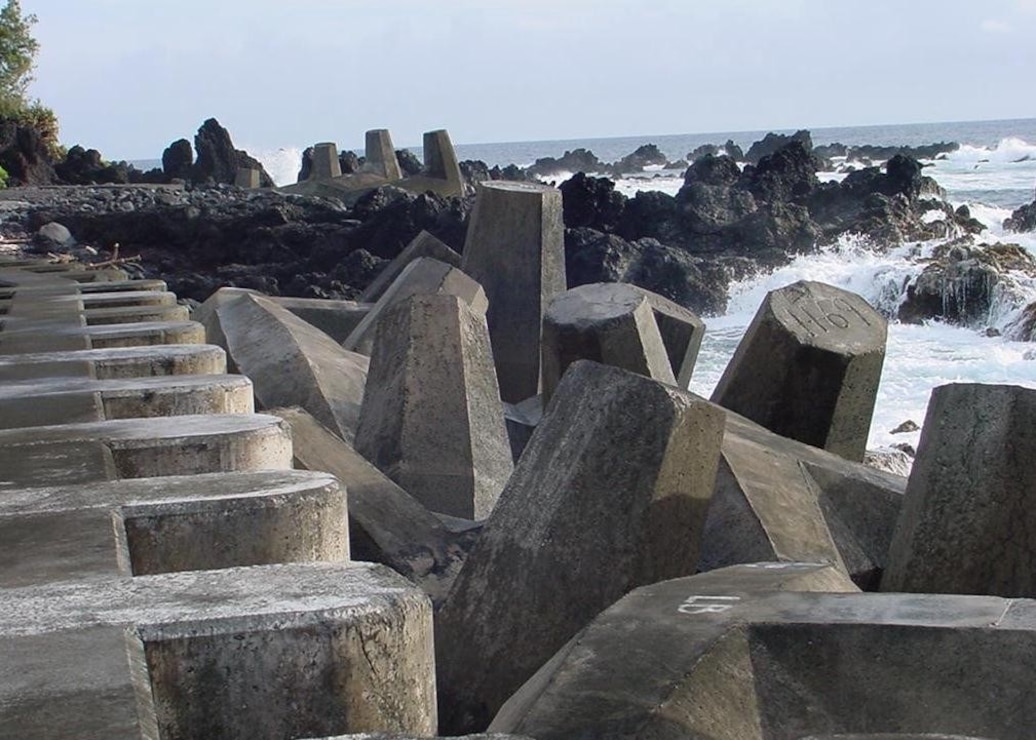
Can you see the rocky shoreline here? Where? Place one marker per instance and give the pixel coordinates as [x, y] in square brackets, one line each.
[731, 218]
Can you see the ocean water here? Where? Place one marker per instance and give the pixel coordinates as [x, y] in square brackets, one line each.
[992, 173]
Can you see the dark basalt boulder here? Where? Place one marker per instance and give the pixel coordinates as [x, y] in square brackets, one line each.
[409, 164]
[577, 160]
[772, 142]
[177, 160]
[959, 283]
[789, 174]
[591, 202]
[594, 257]
[218, 161]
[85, 167]
[349, 162]
[644, 156]
[654, 215]
[713, 169]
[1022, 219]
[24, 155]
[474, 171]
[306, 167]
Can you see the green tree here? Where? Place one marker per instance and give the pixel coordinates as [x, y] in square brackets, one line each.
[17, 57]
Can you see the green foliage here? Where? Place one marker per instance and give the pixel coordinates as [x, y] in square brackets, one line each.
[17, 57]
[3, 178]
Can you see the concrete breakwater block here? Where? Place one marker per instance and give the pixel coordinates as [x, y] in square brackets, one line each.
[718, 657]
[610, 323]
[86, 289]
[122, 362]
[611, 493]
[422, 245]
[682, 331]
[290, 362]
[515, 250]
[175, 523]
[432, 419]
[265, 652]
[49, 401]
[57, 336]
[380, 154]
[423, 276]
[91, 300]
[142, 448]
[335, 318]
[386, 524]
[808, 367]
[968, 513]
[134, 314]
[781, 500]
[325, 163]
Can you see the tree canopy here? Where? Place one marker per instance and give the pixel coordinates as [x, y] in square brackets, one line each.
[17, 56]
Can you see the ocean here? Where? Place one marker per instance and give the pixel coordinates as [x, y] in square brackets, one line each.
[993, 172]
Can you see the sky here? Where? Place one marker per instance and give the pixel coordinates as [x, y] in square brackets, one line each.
[128, 77]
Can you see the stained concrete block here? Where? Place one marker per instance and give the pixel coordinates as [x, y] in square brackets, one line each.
[175, 523]
[422, 276]
[264, 652]
[422, 245]
[968, 510]
[96, 299]
[49, 401]
[610, 323]
[86, 289]
[142, 448]
[441, 173]
[808, 367]
[124, 362]
[335, 318]
[712, 656]
[134, 314]
[247, 177]
[781, 500]
[325, 161]
[291, 362]
[515, 250]
[610, 494]
[380, 155]
[386, 524]
[432, 419]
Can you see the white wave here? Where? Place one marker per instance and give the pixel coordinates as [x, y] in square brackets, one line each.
[666, 183]
[282, 164]
[1011, 150]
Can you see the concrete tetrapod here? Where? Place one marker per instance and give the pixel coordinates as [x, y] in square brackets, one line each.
[778, 499]
[610, 494]
[121, 362]
[808, 367]
[175, 523]
[386, 524]
[68, 400]
[968, 514]
[423, 276]
[515, 250]
[432, 419]
[610, 323]
[292, 363]
[335, 318]
[730, 656]
[422, 245]
[264, 652]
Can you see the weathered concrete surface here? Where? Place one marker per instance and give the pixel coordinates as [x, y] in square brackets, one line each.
[521, 420]
[432, 419]
[46, 336]
[441, 172]
[134, 314]
[176, 523]
[290, 362]
[87, 289]
[49, 401]
[95, 299]
[423, 276]
[422, 245]
[808, 367]
[335, 318]
[968, 516]
[380, 155]
[716, 657]
[264, 652]
[142, 448]
[325, 161]
[386, 524]
[781, 500]
[610, 323]
[682, 332]
[123, 362]
[515, 250]
[610, 494]
[393, 736]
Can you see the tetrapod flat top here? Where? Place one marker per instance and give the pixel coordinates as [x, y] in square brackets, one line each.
[165, 430]
[824, 316]
[515, 186]
[595, 303]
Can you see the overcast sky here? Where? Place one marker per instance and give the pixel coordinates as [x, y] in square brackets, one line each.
[129, 76]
